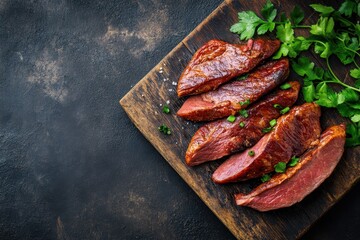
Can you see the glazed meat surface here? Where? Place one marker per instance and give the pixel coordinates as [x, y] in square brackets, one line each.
[217, 62]
[226, 99]
[288, 188]
[294, 133]
[220, 138]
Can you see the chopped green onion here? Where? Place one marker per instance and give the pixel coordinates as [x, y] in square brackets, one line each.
[266, 130]
[277, 105]
[251, 153]
[293, 161]
[280, 167]
[247, 102]
[243, 113]
[242, 124]
[265, 177]
[231, 118]
[166, 109]
[284, 110]
[164, 129]
[272, 122]
[243, 77]
[285, 86]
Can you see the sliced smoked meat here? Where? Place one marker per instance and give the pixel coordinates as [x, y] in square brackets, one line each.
[220, 138]
[286, 189]
[217, 62]
[294, 133]
[225, 101]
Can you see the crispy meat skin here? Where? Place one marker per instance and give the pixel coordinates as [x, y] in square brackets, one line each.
[286, 189]
[225, 100]
[217, 139]
[217, 62]
[294, 134]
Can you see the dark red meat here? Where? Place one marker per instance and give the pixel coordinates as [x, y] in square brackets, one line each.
[288, 188]
[217, 62]
[294, 133]
[225, 100]
[217, 139]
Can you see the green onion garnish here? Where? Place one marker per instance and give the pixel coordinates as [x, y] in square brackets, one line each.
[164, 129]
[166, 109]
[280, 167]
[284, 110]
[293, 161]
[251, 153]
[265, 177]
[277, 105]
[242, 124]
[247, 102]
[231, 118]
[243, 113]
[266, 130]
[272, 122]
[285, 86]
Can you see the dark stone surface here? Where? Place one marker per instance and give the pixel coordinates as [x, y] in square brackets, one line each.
[72, 165]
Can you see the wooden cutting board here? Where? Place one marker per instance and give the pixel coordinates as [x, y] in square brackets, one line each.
[143, 105]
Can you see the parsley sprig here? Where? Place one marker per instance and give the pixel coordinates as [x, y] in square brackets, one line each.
[334, 35]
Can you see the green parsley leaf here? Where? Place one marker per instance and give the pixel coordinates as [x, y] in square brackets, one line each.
[303, 66]
[285, 33]
[164, 129]
[355, 118]
[326, 96]
[242, 124]
[353, 130]
[251, 153]
[247, 102]
[243, 113]
[280, 167]
[266, 27]
[265, 178]
[355, 73]
[349, 7]
[248, 21]
[285, 86]
[323, 49]
[285, 110]
[297, 15]
[323, 27]
[324, 10]
[293, 161]
[308, 91]
[268, 11]
[166, 109]
[231, 118]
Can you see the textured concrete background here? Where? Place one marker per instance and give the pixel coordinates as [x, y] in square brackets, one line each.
[72, 165]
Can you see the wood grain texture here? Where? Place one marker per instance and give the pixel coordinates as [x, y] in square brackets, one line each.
[143, 106]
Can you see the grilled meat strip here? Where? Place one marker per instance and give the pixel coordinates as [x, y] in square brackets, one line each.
[226, 99]
[294, 134]
[217, 62]
[286, 189]
[220, 138]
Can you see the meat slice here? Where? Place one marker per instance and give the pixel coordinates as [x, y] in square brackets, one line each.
[226, 99]
[220, 138]
[293, 135]
[286, 189]
[217, 62]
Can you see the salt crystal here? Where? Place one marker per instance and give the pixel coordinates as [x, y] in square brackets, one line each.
[170, 90]
[174, 83]
[160, 104]
[168, 102]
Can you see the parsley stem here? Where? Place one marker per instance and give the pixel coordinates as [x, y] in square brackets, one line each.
[337, 79]
[351, 50]
[301, 26]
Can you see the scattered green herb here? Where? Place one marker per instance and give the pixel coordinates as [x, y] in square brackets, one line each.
[272, 123]
[166, 109]
[284, 110]
[251, 153]
[334, 34]
[285, 86]
[231, 118]
[276, 105]
[164, 129]
[247, 102]
[265, 177]
[243, 77]
[280, 167]
[242, 124]
[293, 161]
[266, 130]
[243, 113]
